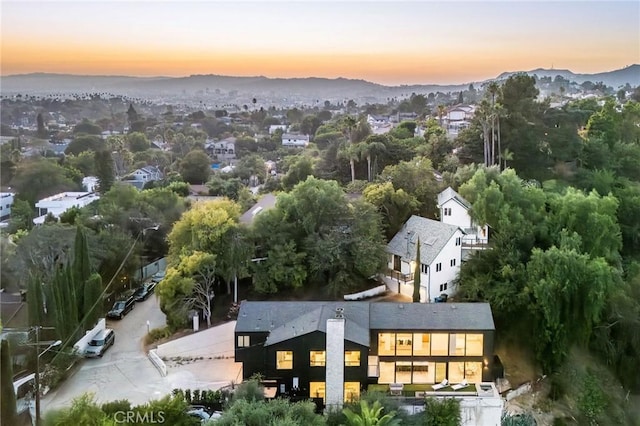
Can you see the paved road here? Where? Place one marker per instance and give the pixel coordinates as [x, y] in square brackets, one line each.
[124, 372]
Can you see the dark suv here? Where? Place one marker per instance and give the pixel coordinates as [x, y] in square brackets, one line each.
[122, 307]
[144, 291]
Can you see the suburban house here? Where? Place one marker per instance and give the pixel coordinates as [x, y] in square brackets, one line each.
[223, 150]
[289, 139]
[379, 124]
[337, 350]
[274, 127]
[457, 118]
[266, 202]
[60, 203]
[6, 201]
[454, 210]
[440, 257]
[140, 177]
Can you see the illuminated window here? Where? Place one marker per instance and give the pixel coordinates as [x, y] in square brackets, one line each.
[317, 390]
[439, 344]
[352, 358]
[386, 344]
[456, 372]
[387, 372]
[473, 372]
[403, 344]
[474, 344]
[243, 341]
[456, 344]
[423, 372]
[421, 344]
[403, 372]
[284, 360]
[317, 358]
[351, 391]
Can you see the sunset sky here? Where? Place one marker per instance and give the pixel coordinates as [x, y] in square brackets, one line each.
[401, 42]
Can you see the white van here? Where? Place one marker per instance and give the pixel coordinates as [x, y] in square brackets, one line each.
[100, 343]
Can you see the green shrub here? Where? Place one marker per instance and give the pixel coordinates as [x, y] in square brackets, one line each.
[157, 334]
[445, 412]
[592, 400]
[250, 390]
[111, 408]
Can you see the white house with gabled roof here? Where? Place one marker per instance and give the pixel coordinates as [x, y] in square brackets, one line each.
[440, 257]
[454, 210]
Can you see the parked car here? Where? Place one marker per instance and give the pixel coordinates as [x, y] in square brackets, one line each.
[158, 276]
[144, 291]
[100, 343]
[122, 307]
[442, 298]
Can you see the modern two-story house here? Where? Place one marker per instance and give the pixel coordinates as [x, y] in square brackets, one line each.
[336, 350]
[440, 257]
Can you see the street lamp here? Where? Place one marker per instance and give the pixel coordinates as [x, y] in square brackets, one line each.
[37, 376]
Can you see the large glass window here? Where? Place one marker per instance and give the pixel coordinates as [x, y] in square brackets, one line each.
[456, 344]
[317, 358]
[351, 391]
[441, 371]
[403, 372]
[317, 390]
[473, 372]
[284, 360]
[421, 344]
[387, 372]
[456, 372]
[403, 344]
[423, 372]
[386, 344]
[439, 344]
[352, 358]
[474, 344]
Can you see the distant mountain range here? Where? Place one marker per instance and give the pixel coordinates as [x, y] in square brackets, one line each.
[267, 88]
[616, 78]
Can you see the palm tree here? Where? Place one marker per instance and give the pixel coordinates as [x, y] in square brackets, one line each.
[507, 155]
[500, 112]
[441, 111]
[493, 90]
[351, 152]
[484, 116]
[347, 124]
[370, 416]
[372, 148]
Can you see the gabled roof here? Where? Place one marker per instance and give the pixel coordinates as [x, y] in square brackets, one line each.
[431, 316]
[268, 201]
[449, 194]
[288, 320]
[433, 236]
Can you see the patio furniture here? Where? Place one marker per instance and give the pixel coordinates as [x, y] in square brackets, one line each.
[440, 385]
[460, 385]
[396, 388]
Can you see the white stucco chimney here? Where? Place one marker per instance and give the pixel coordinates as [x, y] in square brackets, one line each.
[334, 382]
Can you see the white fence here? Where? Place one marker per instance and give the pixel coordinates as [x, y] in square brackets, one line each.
[158, 362]
[150, 269]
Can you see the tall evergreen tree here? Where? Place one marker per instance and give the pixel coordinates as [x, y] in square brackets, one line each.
[42, 132]
[8, 399]
[416, 276]
[104, 170]
[35, 300]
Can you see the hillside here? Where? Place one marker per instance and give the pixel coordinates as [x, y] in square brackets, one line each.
[616, 78]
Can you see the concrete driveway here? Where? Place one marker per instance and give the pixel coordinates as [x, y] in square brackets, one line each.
[202, 360]
[125, 371]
